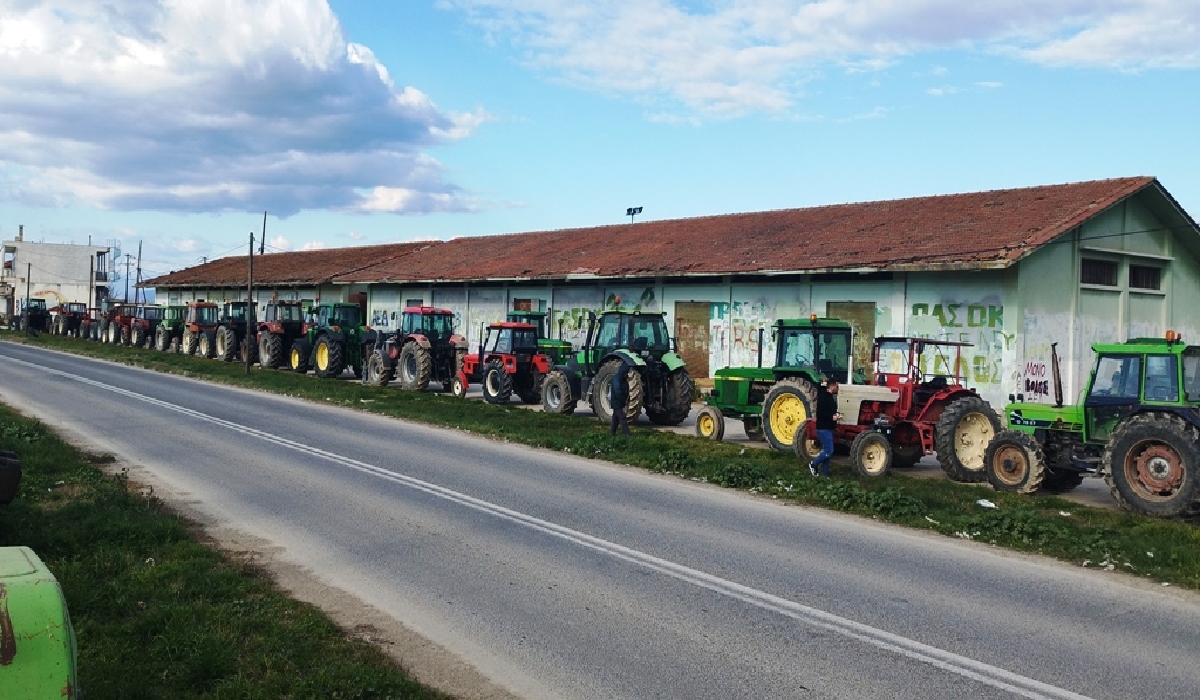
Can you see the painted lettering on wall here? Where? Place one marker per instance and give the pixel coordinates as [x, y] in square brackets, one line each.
[981, 325]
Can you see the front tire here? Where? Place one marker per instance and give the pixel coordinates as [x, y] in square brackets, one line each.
[226, 344]
[189, 342]
[137, 336]
[600, 403]
[1015, 462]
[298, 358]
[681, 390]
[270, 350]
[871, 454]
[378, 372]
[556, 394]
[1153, 465]
[497, 384]
[415, 367]
[528, 386]
[205, 348]
[328, 360]
[162, 339]
[788, 404]
[962, 435]
[710, 424]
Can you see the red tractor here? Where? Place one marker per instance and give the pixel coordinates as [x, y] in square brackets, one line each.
[282, 323]
[200, 328]
[917, 404]
[116, 331]
[424, 349]
[143, 326]
[508, 360]
[66, 318]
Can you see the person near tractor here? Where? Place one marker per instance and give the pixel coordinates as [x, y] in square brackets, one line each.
[618, 396]
[827, 419]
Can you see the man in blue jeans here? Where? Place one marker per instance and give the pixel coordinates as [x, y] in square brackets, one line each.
[827, 418]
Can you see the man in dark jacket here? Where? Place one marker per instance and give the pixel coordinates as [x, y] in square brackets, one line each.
[827, 419]
[618, 396]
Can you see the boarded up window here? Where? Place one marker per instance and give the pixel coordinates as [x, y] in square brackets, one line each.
[522, 304]
[414, 302]
[1103, 272]
[1145, 277]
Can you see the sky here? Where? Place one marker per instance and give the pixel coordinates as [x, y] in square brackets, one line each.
[174, 124]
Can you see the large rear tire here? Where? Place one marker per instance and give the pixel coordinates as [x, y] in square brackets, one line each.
[415, 367]
[600, 403]
[226, 344]
[270, 350]
[248, 347]
[497, 384]
[871, 454]
[710, 424]
[328, 359]
[680, 392]
[378, 371]
[961, 437]
[1015, 462]
[528, 386]
[1152, 465]
[162, 339]
[556, 394]
[189, 342]
[137, 336]
[788, 404]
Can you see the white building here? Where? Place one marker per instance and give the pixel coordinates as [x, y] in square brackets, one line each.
[56, 272]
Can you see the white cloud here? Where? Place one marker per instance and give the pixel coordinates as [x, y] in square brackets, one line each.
[725, 58]
[356, 236]
[279, 243]
[313, 245]
[990, 84]
[241, 105]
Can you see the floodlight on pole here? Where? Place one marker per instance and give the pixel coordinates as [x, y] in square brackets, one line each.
[632, 212]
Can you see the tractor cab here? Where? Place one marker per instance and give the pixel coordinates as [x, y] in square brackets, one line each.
[918, 368]
[818, 346]
[437, 325]
[152, 314]
[558, 350]
[202, 314]
[75, 308]
[510, 338]
[509, 360]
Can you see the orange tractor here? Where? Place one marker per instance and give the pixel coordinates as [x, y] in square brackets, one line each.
[200, 328]
[508, 360]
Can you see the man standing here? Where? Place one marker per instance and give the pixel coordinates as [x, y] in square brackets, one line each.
[827, 419]
[618, 396]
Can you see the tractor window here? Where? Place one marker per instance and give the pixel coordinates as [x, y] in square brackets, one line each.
[206, 315]
[1162, 378]
[288, 312]
[1118, 377]
[799, 348]
[524, 339]
[892, 358]
[609, 334]
[654, 330]
[438, 326]
[1191, 374]
[237, 312]
[346, 316]
[37, 304]
[152, 313]
[504, 341]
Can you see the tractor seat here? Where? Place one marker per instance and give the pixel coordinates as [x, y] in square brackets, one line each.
[935, 384]
[639, 344]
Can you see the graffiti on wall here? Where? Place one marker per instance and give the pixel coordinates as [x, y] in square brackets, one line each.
[980, 324]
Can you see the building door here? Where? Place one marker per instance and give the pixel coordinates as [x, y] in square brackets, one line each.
[861, 317]
[691, 334]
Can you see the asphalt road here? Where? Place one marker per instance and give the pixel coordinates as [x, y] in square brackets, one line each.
[558, 577]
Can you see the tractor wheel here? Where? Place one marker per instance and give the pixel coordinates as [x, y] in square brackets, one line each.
[458, 387]
[905, 456]
[961, 437]
[497, 384]
[207, 345]
[226, 344]
[528, 386]
[710, 424]
[788, 404]
[1152, 465]
[604, 376]
[108, 337]
[161, 339]
[415, 367]
[124, 336]
[556, 394]
[248, 346]
[681, 391]
[378, 372]
[270, 350]
[1061, 481]
[1015, 462]
[807, 449]
[328, 359]
[754, 430]
[870, 454]
[137, 336]
[298, 358]
[189, 342]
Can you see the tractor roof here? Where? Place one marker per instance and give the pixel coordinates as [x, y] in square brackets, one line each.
[428, 311]
[819, 323]
[526, 313]
[202, 303]
[927, 341]
[1141, 346]
[515, 325]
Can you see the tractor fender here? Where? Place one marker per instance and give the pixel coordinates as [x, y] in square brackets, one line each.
[626, 355]
[938, 403]
[419, 339]
[370, 336]
[459, 341]
[462, 377]
[334, 336]
[541, 363]
[672, 361]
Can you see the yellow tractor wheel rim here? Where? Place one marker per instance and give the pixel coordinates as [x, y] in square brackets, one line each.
[971, 438]
[874, 459]
[295, 358]
[708, 426]
[322, 357]
[787, 413]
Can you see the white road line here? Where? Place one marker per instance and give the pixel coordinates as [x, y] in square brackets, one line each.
[945, 660]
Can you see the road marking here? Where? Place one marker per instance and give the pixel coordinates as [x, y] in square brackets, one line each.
[924, 653]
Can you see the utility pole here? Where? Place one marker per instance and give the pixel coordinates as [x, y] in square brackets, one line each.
[128, 261]
[138, 281]
[250, 305]
[28, 282]
[91, 279]
[263, 241]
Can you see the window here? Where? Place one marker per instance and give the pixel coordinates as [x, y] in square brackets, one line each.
[414, 302]
[1102, 272]
[1162, 378]
[1145, 277]
[1117, 377]
[1191, 373]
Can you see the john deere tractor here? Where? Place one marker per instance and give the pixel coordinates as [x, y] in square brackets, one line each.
[772, 402]
[169, 333]
[660, 382]
[281, 325]
[1138, 426]
[425, 348]
[332, 341]
[557, 350]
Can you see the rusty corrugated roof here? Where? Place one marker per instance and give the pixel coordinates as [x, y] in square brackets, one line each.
[305, 267]
[973, 230]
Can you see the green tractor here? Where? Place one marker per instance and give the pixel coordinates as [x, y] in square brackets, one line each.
[660, 384]
[1138, 426]
[772, 402]
[332, 341]
[168, 335]
[557, 350]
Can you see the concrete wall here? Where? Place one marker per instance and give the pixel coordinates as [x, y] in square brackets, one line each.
[57, 272]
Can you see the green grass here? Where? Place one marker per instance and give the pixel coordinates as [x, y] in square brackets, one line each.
[156, 613]
[1164, 550]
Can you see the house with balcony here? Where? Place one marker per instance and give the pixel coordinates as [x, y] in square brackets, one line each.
[56, 272]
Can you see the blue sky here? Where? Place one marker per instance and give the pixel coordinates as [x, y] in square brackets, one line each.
[176, 123]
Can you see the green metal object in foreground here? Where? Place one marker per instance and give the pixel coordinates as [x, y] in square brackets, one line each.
[557, 350]
[37, 642]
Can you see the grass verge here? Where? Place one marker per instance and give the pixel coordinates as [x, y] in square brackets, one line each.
[1164, 550]
[156, 613]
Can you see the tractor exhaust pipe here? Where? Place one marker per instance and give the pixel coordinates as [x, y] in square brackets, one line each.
[760, 343]
[1058, 390]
